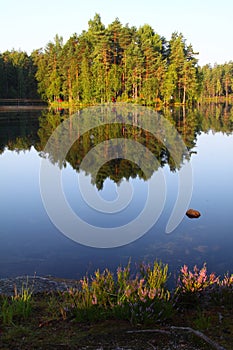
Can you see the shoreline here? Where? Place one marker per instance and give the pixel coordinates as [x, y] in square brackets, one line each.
[20, 107]
[186, 327]
[35, 284]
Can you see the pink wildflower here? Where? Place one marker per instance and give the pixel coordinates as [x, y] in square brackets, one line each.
[184, 269]
[94, 300]
[152, 294]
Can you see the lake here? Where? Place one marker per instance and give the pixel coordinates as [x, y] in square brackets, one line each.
[123, 166]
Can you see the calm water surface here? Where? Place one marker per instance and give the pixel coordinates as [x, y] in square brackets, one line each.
[30, 243]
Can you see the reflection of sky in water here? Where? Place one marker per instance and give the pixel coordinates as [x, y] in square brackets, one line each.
[109, 193]
[30, 243]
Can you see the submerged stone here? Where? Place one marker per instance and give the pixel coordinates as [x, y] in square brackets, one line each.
[193, 214]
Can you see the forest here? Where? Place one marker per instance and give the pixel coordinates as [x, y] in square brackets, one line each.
[114, 63]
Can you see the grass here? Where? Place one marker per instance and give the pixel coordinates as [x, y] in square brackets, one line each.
[202, 321]
[103, 307]
[16, 308]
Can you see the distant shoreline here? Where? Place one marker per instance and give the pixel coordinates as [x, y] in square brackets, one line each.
[18, 103]
[16, 108]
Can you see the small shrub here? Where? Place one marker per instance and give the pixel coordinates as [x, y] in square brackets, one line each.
[196, 281]
[227, 281]
[192, 285]
[223, 292]
[139, 298]
[102, 289]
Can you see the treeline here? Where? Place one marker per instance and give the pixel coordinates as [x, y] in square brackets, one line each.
[217, 82]
[116, 62]
[17, 76]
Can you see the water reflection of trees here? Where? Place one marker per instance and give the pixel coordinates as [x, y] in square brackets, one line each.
[118, 168]
[18, 131]
[22, 134]
[218, 118]
[128, 126]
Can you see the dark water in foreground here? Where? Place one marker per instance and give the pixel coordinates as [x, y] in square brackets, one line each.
[30, 243]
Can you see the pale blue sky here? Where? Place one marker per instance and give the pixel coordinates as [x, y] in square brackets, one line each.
[206, 24]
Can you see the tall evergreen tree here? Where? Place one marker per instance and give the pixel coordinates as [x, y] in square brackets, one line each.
[151, 46]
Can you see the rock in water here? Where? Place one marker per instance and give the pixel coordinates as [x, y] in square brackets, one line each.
[193, 214]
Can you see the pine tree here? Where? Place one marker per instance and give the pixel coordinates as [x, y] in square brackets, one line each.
[151, 46]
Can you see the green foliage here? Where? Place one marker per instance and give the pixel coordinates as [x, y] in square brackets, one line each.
[17, 307]
[202, 321]
[17, 75]
[7, 311]
[117, 61]
[217, 81]
[141, 298]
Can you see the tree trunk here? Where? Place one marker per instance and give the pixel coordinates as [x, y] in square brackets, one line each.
[184, 95]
